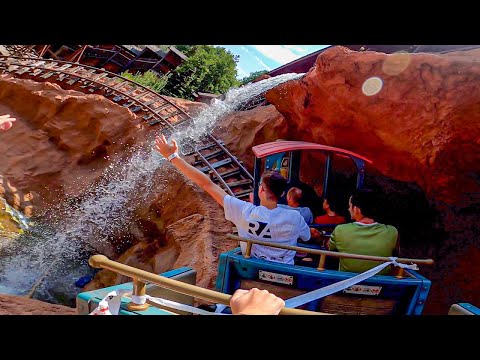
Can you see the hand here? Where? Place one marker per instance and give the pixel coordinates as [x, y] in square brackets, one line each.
[163, 147]
[255, 302]
[314, 233]
[6, 122]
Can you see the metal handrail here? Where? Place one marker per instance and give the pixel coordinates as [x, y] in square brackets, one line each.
[140, 277]
[324, 253]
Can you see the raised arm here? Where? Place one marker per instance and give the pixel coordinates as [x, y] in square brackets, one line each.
[171, 153]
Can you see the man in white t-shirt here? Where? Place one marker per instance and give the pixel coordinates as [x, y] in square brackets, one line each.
[266, 222]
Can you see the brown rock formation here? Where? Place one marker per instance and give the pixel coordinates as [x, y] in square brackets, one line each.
[262, 77]
[61, 141]
[415, 115]
[20, 305]
[253, 127]
[181, 226]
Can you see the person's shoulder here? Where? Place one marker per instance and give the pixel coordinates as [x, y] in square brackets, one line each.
[235, 201]
[344, 227]
[392, 228]
[307, 210]
[292, 212]
[288, 208]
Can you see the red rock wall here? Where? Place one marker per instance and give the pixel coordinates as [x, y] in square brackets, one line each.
[423, 125]
[61, 141]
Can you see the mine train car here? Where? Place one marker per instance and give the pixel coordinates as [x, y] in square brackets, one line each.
[318, 169]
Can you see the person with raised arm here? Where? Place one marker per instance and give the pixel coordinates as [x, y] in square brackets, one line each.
[266, 222]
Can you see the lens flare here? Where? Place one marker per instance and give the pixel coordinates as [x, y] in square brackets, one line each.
[396, 63]
[372, 86]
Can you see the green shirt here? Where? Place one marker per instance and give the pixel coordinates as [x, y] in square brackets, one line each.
[363, 239]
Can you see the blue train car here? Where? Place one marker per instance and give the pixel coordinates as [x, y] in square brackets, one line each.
[380, 294]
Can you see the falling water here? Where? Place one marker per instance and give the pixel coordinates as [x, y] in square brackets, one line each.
[17, 217]
[53, 253]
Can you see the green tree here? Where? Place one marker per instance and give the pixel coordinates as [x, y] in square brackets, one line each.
[186, 49]
[148, 79]
[207, 69]
[252, 76]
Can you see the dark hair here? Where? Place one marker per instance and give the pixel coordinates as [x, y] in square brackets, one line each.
[274, 183]
[368, 201]
[332, 203]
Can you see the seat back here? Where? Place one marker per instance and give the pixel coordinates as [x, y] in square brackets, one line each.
[376, 295]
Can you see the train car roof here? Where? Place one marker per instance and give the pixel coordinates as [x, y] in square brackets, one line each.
[275, 147]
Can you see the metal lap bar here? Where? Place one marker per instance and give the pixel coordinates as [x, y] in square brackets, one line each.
[324, 253]
[141, 277]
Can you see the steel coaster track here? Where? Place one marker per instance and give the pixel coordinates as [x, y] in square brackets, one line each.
[210, 157]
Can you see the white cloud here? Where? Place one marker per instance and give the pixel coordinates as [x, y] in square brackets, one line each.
[296, 48]
[263, 64]
[241, 72]
[279, 53]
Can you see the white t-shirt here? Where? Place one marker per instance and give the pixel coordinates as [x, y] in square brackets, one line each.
[277, 225]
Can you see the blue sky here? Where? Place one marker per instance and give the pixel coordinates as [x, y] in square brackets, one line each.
[267, 57]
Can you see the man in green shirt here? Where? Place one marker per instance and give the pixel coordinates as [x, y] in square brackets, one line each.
[364, 236]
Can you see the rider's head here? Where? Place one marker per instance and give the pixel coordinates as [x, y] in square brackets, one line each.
[272, 186]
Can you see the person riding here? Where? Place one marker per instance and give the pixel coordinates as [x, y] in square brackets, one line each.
[330, 216]
[266, 222]
[294, 200]
[365, 236]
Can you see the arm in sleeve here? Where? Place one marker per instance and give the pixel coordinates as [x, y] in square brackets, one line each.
[200, 179]
[310, 217]
[304, 232]
[332, 244]
[396, 250]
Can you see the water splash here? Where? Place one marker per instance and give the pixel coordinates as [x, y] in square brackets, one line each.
[17, 216]
[12, 223]
[204, 122]
[50, 255]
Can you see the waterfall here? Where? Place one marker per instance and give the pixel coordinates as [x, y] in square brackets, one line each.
[54, 251]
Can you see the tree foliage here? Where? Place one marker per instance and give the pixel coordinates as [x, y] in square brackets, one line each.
[252, 76]
[207, 69]
[148, 79]
[186, 49]
[164, 48]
